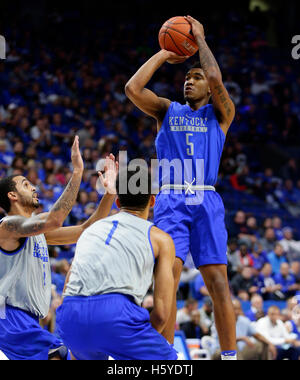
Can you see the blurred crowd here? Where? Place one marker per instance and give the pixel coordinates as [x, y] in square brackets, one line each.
[53, 88]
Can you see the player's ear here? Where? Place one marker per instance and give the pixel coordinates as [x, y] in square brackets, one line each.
[118, 203]
[12, 196]
[209, 92]
[152, 201]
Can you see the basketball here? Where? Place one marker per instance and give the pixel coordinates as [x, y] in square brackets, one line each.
[176, 35]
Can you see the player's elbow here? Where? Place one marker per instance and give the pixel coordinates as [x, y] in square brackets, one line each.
[159, 319]
[131, 90]
[52, 223]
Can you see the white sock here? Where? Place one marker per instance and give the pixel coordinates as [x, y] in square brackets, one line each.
[228, 355]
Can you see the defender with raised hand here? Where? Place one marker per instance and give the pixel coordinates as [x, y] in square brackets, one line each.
[25, 273]
[115, 261]
[188, 207]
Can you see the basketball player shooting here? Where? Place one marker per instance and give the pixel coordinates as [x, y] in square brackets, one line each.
[25, 273]
[200, 228]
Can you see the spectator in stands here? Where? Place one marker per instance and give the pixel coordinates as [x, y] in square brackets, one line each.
[188, 275]
[245, 257]
[251, 344]
[269, 240]
[206, 313]
[287, 281]
[243, 284]
[184, 314]
[295, 271]
[6, 155]
[293, 327]
[257, 308]
[194, 329]
[250, 235]
[238, 225]
[59, 274]
[259, 256]
[274, 330]
[277, 257]
[277, 226]
[291, 304]
[290, 246]
[290, 199]
[233, 256]
[267, 287]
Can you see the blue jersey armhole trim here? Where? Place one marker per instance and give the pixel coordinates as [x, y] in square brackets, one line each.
[13, 253]
[151, 242]
[219, 125]
[165, 118]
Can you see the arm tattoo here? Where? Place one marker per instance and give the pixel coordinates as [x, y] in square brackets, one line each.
[66, 202]
[223, 99]
[209, 63]
[23, 226]
[207, 58]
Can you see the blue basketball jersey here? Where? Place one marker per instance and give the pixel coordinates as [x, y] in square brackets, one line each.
[194, 141]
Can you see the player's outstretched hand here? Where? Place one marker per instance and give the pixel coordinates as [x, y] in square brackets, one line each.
[173, 58]
[76, 156]
[197, 27]
[111, 169]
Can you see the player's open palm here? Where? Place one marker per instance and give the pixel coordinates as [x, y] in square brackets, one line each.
[111, 169]
[76, 156]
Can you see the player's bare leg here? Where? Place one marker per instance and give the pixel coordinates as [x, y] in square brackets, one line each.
[169, 330]
[216, 281]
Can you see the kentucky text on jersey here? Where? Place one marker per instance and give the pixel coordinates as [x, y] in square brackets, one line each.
[190, 135]
[40, 252]
[183, 123]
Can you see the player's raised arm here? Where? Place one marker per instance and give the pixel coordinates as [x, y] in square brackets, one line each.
[18, 226]
[70, 235]
[221, 99]
[146, 100]
[163, 279]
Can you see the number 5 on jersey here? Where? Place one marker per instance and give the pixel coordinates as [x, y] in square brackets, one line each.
[190, 149]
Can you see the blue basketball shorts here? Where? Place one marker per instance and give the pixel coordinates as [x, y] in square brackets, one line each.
[97, 327]
[22, 338]
[196, 228]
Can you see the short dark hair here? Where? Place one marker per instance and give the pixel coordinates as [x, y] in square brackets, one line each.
[7, 185]
[138, 198]
[196, 65]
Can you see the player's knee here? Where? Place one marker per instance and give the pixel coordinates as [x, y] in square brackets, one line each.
[218, 287]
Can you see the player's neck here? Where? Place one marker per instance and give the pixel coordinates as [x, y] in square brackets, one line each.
[21, 211]
[196, 105]
[140, 214]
